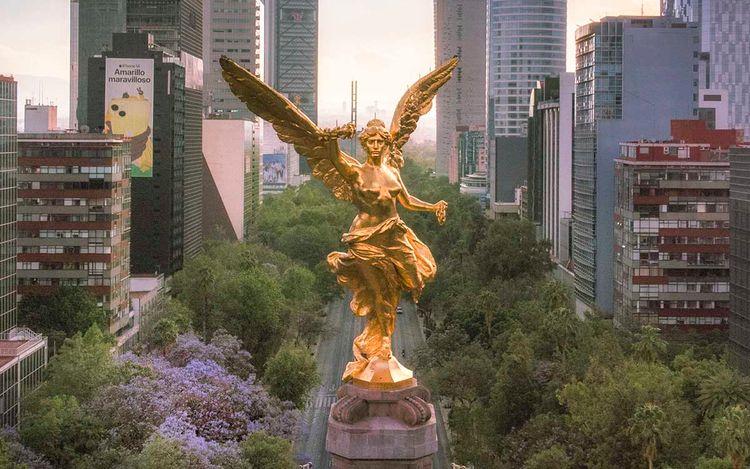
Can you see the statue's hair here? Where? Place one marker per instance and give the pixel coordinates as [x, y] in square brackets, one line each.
[377, 127]
[374, 127]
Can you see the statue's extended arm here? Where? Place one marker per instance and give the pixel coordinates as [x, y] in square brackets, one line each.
[410, 202]
[344, 164]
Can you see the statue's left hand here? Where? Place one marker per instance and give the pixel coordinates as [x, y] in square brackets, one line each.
[441, 211]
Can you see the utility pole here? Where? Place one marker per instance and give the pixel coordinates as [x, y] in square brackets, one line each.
[354, 117]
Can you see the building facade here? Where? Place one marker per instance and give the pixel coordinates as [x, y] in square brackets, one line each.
[672, 230]
[178, 26]
[739, 261]
[625, 87]
[460, 30]
[725, 50]
[158, 202]
[234, 28]
[74, 218]
[92, 23]
[8, 171]
[39, 118]
[231, 188]
[550, 151]
[23, 354]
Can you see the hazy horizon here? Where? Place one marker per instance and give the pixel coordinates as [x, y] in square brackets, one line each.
[384, 46]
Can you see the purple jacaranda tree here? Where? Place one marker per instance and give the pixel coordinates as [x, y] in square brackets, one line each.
[192, 390]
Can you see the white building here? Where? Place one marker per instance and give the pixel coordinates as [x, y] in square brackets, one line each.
[38, 118]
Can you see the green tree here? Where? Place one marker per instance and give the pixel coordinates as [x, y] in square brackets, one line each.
[649, 346]
[165, 453]
[646, 429]
[553, 457]
[723, 389]
[61, 431]
[164, 333]
[732, 434]
[82, 366]
[67, 311]
[264, 451]
[713, 463]
[291, 374]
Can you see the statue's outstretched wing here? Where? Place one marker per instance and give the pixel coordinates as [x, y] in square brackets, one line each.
[291, 124]
[417, 102]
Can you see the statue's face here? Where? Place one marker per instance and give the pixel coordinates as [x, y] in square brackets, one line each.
[375, 145]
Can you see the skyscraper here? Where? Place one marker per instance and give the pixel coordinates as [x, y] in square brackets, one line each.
[233, 28]
[158, 197]
[292, 62]
[633, 76]
[525, 43]
[178, 26]
[92, 23]
[739, 261]
[460, 30]
[725, 50]
[8, 170]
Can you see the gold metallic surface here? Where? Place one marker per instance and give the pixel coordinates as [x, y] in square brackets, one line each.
[384, 257]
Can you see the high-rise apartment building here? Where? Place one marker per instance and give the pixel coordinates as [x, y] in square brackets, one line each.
[178, 25]
[92, 23]
[739, 260]
[8, 169]
[159, 194]
[23, 354]
[550, 151]
[74, 217]
[525, 43]
[231, 182]
[672, 230]
[233, 28]
[460, 30]
[725, 50]
[633, 76]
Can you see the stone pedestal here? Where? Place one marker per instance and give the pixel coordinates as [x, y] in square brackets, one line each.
[371, 428]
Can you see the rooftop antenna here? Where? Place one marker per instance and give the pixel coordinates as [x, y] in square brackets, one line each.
[642, 8]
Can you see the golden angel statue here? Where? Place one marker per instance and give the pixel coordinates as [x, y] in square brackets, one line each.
[384, 257]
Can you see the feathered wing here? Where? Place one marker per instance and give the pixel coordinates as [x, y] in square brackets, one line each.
[417, 102]
[291, 124]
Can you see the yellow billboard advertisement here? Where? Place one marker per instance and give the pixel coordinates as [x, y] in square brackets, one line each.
[129, 109]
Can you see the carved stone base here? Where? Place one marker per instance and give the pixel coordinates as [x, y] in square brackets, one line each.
[374, 428]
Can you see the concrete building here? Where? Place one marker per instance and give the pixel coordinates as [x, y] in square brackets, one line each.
[672, 230]
[231, 185]
[92, 23]
[469, 162]
[550, 177]
[8, 170]
[460, 30]
[23, 354]
[159, 200]
[74, 218]
[39, 118]
[713, 108]
[291, 50]
[178, 26]
[626, 88]
[234, 28]
[525, 43]
[739, 260]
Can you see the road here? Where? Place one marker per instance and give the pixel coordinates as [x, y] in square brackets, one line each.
[333, 353]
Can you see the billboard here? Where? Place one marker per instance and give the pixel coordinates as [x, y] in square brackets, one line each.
[274, 171]
[129, 109]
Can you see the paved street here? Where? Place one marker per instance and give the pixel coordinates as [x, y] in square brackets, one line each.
[334, 351]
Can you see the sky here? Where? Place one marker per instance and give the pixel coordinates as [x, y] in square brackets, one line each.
[385, 45]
